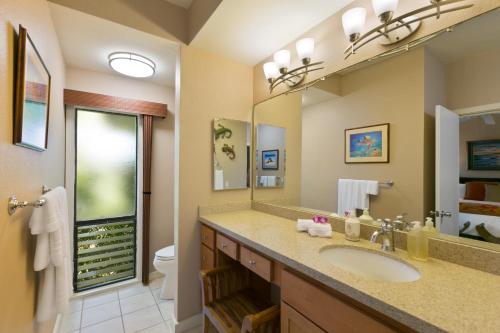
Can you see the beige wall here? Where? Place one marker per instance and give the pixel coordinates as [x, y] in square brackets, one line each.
[474, 80]
[331, 41]
[472, 130]
[24, 171]
[162, 167]
[388, 92]
[283, 111]
[210, 87]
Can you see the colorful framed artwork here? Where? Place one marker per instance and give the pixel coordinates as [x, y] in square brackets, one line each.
[368, 144]
[270, 159]
[31, 114]
[483, 155]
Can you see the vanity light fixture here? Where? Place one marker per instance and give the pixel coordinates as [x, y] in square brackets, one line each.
[392, 29]
[131, 64]
[278, 71]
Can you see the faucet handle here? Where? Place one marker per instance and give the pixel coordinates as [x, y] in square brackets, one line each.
[387, 223]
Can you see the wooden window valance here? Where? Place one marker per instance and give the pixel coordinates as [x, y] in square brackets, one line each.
[113, 103]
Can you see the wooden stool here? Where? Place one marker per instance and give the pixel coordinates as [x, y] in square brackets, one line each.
[231, 305]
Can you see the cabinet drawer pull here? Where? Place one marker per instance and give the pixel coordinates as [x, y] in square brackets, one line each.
[252, 262]
[223, 246]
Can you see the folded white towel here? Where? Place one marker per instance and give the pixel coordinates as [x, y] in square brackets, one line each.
[320, 230]
[52, 255]
[303, 225]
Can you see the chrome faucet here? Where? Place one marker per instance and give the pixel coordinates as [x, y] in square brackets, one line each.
[400, 223]
[387, 232]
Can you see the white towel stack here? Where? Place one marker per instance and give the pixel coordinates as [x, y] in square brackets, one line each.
[303, 225]
[320, 230]
[52, 255]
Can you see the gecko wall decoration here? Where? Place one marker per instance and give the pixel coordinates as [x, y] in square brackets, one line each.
[222, 132]
[229, 151]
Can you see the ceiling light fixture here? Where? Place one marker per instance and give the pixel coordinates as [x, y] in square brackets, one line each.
[391, 30]
[278, 72]
[131, 64]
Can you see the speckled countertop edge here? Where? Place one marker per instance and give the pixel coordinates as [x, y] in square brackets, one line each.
[372, 301]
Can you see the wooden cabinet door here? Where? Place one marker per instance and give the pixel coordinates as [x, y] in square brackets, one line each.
[207, 258]
[293, 322]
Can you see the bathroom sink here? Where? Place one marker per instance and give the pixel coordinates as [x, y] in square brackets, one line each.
[370, 264]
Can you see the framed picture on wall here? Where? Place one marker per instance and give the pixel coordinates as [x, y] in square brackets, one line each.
[483, 155]
[31, 114]
[369, 144]
[270, 159]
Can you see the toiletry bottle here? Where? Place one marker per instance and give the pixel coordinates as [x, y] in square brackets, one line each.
[429, 228]
[417, 242]
[366, 218]
[352, 227]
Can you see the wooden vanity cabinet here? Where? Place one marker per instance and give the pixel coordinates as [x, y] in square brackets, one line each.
[330, 311]
[261, 266]
[294, 322]
[207, 257]
[306, 305]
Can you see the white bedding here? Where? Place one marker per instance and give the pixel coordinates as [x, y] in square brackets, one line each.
[491, 223]
[493, 203]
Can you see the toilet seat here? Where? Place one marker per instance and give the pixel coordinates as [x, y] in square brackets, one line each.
[165, 254]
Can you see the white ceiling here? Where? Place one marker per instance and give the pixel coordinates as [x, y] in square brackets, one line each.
[86, 41]
[181, 3]
[250, 30]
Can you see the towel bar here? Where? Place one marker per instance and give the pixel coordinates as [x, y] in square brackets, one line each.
[14, 204]
[388, 183]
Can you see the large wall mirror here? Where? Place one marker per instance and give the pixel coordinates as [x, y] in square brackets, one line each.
[439, 154]
[231, 144]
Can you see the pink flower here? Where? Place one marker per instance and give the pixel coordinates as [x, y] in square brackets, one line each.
[320, 219]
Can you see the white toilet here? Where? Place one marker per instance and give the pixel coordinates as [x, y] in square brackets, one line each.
[164, 263]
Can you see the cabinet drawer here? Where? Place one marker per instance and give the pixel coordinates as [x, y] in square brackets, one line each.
[208, 236]
[227, 246]
[256, 263]
[327, 311]
[207, 258]
[293, 322]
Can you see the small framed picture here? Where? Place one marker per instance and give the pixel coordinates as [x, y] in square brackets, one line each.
[270, 159]
[483, 155]
[31, 114]
[368, 144]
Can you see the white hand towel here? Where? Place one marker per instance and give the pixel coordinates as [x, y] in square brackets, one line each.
[303, 224]
[320, 230]
[52, 254]
[353, 193]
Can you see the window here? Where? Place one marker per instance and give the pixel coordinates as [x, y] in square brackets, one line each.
[105, 198]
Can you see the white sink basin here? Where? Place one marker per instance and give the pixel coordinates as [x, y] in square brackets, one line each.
[369, 264]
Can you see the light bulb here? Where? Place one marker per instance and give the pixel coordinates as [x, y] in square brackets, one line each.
[353, 22]
[271, 70]
[282, 60]
[305, 49]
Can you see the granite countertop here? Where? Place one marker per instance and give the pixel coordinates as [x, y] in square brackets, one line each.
[447, 297]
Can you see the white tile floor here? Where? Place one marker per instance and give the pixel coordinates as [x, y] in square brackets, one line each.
[130, 309]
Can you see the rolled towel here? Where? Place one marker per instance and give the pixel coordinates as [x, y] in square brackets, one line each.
[303, 225]
[320, 230]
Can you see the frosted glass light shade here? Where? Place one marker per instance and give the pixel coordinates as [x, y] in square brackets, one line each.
[305, 48]
[383, 6]
[282, 59]
[353, 21]
[271, 70]
[131, 64]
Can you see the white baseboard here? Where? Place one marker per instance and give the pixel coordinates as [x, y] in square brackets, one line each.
[155, 275]
[189, 323]
[57, 324]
